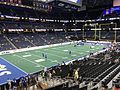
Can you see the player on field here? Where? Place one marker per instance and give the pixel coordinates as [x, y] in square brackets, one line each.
[70, 52]
[43, 55]
[75, 45]
[46, 57]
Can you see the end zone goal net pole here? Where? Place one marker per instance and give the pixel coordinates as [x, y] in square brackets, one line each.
[108, 24]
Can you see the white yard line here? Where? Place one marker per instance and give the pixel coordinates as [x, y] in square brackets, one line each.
[42, 57]
[29, 61]
[62, 53]
[51, 54]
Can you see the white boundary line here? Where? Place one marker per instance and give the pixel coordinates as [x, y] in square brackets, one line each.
[14, 65]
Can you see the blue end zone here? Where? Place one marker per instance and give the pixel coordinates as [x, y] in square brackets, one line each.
[9, 71]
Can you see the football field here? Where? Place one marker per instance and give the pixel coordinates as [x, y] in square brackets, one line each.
[35, 60]
[19, 64]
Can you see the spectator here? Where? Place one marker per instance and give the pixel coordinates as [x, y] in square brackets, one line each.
[14, 84]
[24, 83]
[8, 85]
[76, 76]
[53, 73]
[49, 75]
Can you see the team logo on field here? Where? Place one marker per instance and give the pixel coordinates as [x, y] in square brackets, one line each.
[2, 67]
[3, 70]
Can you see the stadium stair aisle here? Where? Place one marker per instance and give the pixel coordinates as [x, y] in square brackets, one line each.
[10, 42]
[28, 40]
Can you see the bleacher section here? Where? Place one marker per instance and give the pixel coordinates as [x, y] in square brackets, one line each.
[19, 41]
[4, 44]
[27, 40]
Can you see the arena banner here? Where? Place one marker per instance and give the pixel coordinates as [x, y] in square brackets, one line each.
[9, 71]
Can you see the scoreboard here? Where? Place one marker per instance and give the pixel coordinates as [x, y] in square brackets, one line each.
[116, 3]
[38, 4]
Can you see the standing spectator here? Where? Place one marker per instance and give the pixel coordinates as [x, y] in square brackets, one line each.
[53, 73]
[2, 87]
[8, 85]
[21, 83]
[76, 76]
[45, 69]
[63, 63]
[24, 82]
[70, 69]
[49, 75]
[14, 84]
[28, 79]
[43, 74]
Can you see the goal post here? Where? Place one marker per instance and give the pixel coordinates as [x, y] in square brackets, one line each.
[108, 27]
[101, 31]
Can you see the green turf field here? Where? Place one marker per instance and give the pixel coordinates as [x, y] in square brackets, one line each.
[33, 61]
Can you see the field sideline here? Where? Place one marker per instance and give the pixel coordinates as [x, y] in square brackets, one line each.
[33, 61]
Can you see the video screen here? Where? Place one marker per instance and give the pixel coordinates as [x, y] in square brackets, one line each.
[116, 2]
[75, 1]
